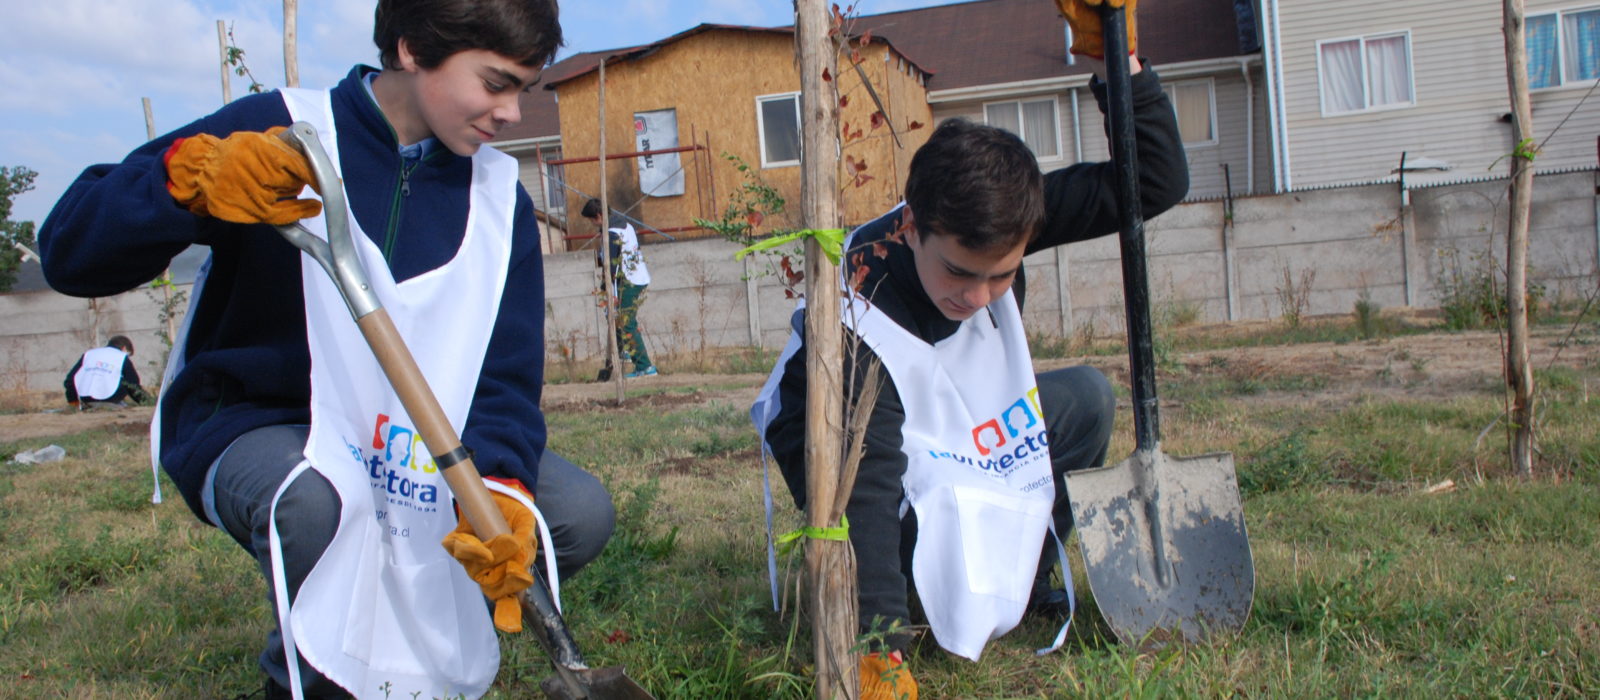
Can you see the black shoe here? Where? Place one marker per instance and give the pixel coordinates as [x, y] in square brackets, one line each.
[1050, 604]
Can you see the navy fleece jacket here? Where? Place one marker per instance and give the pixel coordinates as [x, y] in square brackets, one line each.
[246, 362]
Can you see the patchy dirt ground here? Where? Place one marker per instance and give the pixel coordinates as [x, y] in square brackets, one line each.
[1437, 365]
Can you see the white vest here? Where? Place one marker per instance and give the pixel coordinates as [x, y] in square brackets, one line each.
[978, 465]
[632, 262]
[100, 374]
[387, 612]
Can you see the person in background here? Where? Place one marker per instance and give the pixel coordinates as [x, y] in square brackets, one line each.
[631, 277]
[105, 376]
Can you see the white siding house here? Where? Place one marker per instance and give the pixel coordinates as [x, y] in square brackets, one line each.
[1363, 81]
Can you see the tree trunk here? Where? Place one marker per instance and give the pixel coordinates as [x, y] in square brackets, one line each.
[1519, 376]
[830, 564]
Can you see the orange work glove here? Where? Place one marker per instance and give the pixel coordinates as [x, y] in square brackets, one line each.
[500, 566]
[884, 676]
[250, 177]
[1088, 39]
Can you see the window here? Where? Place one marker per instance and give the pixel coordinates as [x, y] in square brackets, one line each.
[778, 118]
[1034, 121]
[1563, 47]
[1370, 72]
[555, 180]
[1196, 105]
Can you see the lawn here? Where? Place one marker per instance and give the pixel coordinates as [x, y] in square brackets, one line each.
[1395, 554]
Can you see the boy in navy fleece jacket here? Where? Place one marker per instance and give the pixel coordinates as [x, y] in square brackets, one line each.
[234, 414]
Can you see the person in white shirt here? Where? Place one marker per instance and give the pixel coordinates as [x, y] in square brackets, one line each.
[631, 277]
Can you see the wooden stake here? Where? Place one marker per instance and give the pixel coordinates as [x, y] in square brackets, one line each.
[1519, 374]
[830, 564]
[291, 60]
[166, 275]
[222, 52]
[609, 284]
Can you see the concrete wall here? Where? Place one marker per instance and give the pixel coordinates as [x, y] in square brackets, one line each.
[1348, 241]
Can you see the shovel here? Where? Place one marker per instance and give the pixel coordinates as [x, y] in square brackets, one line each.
[1163, 537]
[337, 255]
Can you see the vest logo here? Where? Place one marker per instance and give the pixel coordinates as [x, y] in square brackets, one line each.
[398, 464]
[1018, 436]
[1028, 408]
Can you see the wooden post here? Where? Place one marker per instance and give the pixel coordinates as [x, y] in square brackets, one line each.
[608, 283]
[291, 61]
[830, 564]
[1519, 375]
[222, 52]
[166, 275]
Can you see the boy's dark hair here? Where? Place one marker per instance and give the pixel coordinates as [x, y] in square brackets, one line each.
[525, 30]
[120, 342]
[978, 183]
[591, 209]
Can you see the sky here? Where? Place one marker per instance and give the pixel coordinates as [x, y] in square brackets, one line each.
[73, 72]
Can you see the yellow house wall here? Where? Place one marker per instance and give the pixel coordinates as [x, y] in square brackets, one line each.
[713, 79]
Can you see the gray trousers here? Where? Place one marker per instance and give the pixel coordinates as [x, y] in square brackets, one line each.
[574, 503]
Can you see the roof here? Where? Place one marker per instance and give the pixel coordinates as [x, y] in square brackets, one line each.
[579, 65]
[965, 44]
[1005, 41]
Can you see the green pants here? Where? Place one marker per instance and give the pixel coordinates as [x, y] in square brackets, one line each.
[630, 341]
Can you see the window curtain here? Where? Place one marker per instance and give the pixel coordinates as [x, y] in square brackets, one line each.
[1192, 102]
[1389, 71]
[1341, 77]
[780, 123]
[1582, 45]
[1003, 115]
[1543, 59]
[1039, 127]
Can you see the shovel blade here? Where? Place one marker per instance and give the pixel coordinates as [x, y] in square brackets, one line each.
[610, 683]
[1164, 545]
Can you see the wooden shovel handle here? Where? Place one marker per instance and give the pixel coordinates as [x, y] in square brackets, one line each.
[412, 388]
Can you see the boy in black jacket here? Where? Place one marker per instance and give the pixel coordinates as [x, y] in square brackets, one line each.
[975, 205]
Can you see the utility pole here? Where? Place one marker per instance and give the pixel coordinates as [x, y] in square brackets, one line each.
[1519, 375]
[830, 564]
[608, 284]
[222, 53]
[291, 60]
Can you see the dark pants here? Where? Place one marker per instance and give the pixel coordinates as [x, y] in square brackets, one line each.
[574, 503]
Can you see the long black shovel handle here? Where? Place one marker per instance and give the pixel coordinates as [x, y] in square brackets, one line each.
[1135, 277]
[337, 255]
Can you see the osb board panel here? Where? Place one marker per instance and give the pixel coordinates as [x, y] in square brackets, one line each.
[713, 79]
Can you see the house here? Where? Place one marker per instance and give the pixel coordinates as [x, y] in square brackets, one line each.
[731, 95]
[1358, 83]
[734, 90]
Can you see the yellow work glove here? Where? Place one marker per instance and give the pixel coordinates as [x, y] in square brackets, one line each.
[884, 676]
[500, 566]
[1088, 39]
[249, 177]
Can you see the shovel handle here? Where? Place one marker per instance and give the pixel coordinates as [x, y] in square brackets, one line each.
[337, 255]
[1135, 276]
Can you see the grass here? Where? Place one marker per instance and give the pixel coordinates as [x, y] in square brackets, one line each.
[1367, 585]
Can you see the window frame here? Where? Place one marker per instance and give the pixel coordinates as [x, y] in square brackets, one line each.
[1055, 122]
[1561, 44]
[761, 129]
[1366, 83]
[1211, 95]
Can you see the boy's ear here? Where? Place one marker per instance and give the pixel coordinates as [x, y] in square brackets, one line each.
[408, 60]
